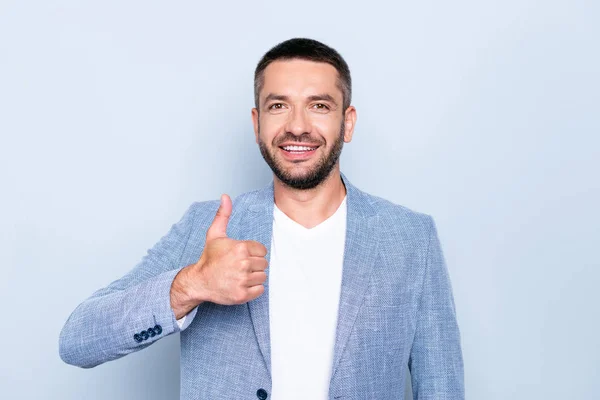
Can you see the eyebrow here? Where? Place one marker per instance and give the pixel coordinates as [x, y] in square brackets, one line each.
[316, 97]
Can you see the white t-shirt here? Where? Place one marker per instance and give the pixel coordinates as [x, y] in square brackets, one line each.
[305, 274]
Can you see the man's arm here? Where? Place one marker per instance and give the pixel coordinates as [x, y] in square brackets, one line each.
[435, 361]
[132, 312]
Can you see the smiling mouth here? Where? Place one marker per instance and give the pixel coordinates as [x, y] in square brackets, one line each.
[298, 149]
[298, 152]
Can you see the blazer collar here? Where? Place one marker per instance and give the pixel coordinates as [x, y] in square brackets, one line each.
[359, 257]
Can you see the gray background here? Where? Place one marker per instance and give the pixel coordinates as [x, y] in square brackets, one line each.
[116, 115]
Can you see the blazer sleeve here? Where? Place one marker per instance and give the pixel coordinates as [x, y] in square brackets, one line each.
[435, 361]
[132, 312]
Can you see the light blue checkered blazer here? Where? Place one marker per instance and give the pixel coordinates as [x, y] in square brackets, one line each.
[396, 309]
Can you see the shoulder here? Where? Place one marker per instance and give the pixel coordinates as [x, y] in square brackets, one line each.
[200, 210]
[204, 211]
[399, 222]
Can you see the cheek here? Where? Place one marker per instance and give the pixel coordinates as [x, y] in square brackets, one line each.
[327, 127]
[267, 131]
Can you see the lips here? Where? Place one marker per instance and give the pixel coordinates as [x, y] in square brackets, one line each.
[298, 152]
[301, 144]
[298, 148]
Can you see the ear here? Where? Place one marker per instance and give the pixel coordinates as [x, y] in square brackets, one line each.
[349, 123]
[255, 123]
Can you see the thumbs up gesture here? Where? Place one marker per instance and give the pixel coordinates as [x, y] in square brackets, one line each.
[228, 272]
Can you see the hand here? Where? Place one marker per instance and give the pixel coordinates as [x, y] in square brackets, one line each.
[228, 272]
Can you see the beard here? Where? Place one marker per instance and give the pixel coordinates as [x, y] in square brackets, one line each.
[307, 179]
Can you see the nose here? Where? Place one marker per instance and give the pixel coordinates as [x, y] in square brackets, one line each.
[298, 122]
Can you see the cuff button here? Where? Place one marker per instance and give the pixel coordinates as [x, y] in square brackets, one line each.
[261, 394]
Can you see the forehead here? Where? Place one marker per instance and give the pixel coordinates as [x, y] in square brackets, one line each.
[300, 78]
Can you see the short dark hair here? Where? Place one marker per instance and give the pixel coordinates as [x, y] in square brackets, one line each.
[305, 49]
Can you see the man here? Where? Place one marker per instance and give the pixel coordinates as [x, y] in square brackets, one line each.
[306, 288]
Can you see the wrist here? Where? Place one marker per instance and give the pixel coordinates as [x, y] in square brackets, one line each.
[183, 298]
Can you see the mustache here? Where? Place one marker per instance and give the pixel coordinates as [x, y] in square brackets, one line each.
[302, 139]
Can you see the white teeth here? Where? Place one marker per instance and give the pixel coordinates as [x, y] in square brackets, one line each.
[298, 148]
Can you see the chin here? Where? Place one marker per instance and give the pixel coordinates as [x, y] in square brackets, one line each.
[298, 172]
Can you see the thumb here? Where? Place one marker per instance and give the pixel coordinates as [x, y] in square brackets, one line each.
[218, 228]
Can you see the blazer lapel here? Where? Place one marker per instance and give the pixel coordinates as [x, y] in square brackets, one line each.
[359, 255]
[257, 225]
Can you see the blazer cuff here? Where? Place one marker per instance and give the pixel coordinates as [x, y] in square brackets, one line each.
[187, 319]
[154, 318]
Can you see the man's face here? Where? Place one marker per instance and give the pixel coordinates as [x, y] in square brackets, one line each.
[301, 126]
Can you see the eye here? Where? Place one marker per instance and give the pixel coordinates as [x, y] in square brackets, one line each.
[276, 106]
[321, 106]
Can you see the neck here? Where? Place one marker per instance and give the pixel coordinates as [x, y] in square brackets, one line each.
[312, 206]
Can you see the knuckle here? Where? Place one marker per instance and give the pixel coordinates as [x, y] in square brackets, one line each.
[245, 264]
[260, 247]
[239, 297]
[240, 247]
[244, 280]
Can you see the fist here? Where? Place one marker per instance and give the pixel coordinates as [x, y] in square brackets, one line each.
[229, 271]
